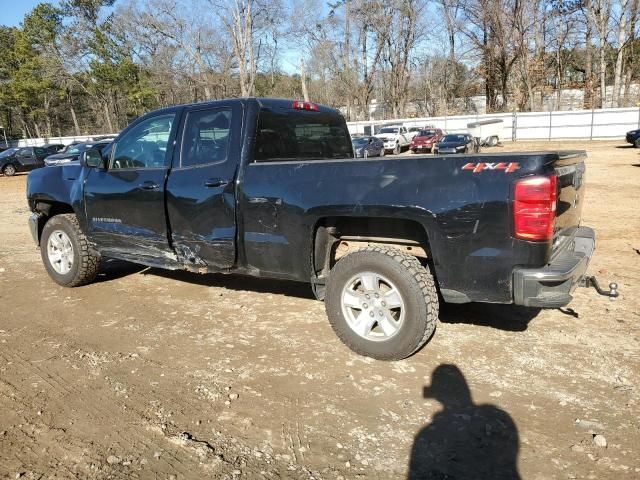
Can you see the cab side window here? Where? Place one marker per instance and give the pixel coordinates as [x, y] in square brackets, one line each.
[145, 145]
[206, 137]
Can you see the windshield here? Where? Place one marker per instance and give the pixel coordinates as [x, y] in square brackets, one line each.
[389, 130]
[426, 133]
[79, 148]
[453, 138]
[8, 152]
[360, 141]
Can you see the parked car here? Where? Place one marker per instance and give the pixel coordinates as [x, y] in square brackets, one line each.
[54, 147]
[368, 147]
[395, 138]
[425, 140]
[457, 143]
[72, 153]
[633, 137]
[265, 187]
[22, 159]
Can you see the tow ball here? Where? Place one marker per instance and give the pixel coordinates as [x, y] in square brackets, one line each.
[590, 281]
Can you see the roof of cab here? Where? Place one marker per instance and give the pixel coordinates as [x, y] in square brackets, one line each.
[282, 103]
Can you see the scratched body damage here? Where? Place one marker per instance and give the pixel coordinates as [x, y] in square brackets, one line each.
[255, 212]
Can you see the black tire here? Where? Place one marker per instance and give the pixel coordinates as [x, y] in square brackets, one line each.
[382, 152]
[637, 143]
[9, 170]
[416, 287]
[86, 260]
[493, 141]
[396, 149]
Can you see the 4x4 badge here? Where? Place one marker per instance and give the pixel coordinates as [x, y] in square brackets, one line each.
[480, 167]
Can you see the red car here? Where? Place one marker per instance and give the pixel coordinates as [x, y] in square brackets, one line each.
[425, 140]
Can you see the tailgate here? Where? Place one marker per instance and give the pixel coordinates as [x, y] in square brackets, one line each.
[570, 169]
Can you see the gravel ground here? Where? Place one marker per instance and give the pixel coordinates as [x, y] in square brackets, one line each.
[154, 374]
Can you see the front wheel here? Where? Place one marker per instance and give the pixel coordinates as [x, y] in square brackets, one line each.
[382, 303]
[382, 152]
[396, 150]
[67, 256]
[9, 170]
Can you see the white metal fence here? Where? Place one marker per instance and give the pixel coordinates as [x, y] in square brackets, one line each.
[38, 142]
[581, 124]
[578, 124]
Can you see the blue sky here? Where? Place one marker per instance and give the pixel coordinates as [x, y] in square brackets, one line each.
[12, 11]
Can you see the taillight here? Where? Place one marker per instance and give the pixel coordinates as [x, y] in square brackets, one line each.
[534, 208]
[299, 105]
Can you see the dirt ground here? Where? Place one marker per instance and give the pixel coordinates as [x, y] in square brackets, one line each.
[153, 374]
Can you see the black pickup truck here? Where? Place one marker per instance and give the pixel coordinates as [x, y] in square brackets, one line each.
[271, 188]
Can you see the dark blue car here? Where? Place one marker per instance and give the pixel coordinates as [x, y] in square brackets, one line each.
[72, 152]
[364, 147]
[633, 137]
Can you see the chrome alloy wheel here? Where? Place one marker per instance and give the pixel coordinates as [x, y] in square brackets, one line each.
[60, 252]
[372, 306]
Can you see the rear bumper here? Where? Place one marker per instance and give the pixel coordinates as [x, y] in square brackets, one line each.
[552, 285]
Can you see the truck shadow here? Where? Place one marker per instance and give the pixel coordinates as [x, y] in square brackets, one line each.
[112, 269]
[237, 282]
[511, 318]
[503, 317]
[463, 439]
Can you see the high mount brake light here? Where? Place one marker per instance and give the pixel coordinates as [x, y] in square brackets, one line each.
[534, 208]
[299, 105]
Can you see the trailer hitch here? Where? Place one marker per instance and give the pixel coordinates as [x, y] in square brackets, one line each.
[590, 281]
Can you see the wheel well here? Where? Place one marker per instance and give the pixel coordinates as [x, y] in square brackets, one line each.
[50, 210]
[337, 236]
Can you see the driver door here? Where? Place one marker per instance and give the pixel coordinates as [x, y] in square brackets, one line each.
[125, 202]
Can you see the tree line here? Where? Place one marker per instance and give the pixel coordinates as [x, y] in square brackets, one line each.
[89, 66]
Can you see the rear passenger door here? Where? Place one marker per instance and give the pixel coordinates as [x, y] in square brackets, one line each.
[201, 187]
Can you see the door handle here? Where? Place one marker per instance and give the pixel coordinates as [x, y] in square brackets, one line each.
[149, 185]
[215, 182]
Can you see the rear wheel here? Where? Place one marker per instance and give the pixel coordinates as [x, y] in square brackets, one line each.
[382, 303]
[9, 170]
[493, 141]
[67, 256]
[637, 143]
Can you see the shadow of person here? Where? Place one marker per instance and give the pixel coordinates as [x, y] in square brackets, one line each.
[464, 440]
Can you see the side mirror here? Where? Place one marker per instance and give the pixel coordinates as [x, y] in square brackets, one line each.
[92, 158]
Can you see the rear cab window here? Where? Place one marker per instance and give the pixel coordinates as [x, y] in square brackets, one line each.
[292, 135]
